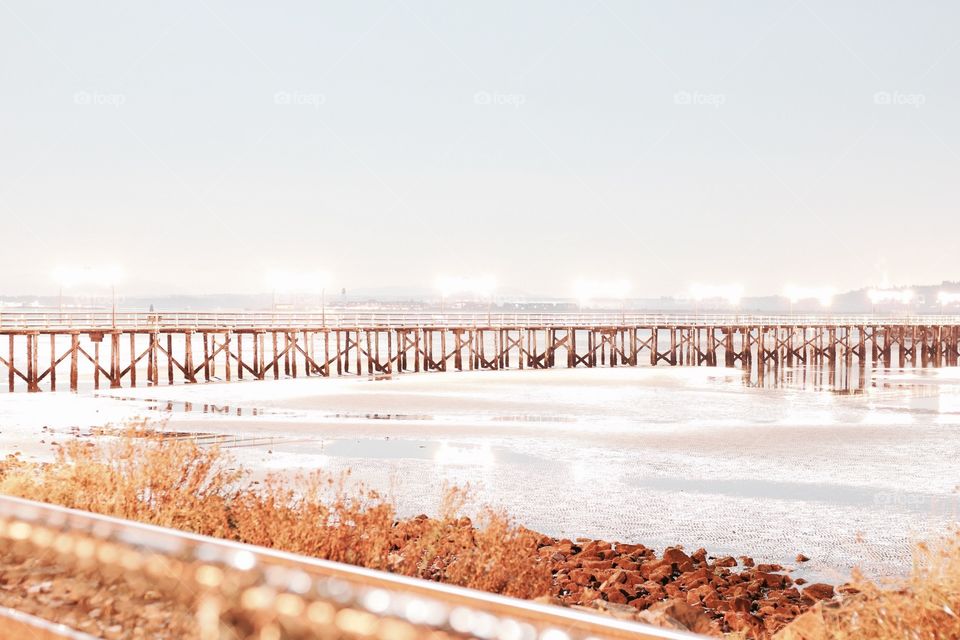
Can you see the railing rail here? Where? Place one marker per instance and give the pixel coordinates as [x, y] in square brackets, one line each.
[41, 530]
[25, 320]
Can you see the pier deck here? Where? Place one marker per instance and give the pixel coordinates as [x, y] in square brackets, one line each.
[131, 349]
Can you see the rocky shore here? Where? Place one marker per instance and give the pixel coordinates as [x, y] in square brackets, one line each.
[695, 591]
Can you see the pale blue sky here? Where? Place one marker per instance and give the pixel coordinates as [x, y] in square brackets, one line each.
[200, 144]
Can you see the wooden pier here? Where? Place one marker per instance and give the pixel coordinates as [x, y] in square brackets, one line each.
[38, 353]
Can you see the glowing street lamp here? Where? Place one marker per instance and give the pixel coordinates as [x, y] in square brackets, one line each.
[730, 293]
[101, 276]
[823, 295]
[285, 281]
[587, 291]
[947, 298]
[900, 296]
[479, 286]
[903, 296]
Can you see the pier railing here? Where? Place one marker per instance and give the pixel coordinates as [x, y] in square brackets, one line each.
[27, 320]
[175, 346]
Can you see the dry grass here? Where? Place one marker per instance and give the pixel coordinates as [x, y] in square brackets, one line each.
[926, 606]
[176, 483]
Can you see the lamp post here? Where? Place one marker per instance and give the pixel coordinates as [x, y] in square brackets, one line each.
[605, 290]
[477, 287]
[99, 277]
[303, 283]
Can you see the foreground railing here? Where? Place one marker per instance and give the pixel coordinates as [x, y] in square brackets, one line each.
[130, 320]
[243, 592]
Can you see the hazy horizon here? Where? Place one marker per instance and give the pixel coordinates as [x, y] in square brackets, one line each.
[200, 145]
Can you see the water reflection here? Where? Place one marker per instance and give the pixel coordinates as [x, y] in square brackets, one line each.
[838, 379]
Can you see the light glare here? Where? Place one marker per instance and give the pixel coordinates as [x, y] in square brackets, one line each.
[587, 290]
[903, 296]
[482, 286]
[284, 281]
[99, 276]
[824, 295]
[732, 293]
[948, 297]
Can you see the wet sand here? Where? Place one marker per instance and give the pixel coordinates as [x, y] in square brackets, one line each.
[653, 456]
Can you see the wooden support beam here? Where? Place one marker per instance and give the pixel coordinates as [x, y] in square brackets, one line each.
[133, 359]
[53, 362]
[74, 357]
[190, 372]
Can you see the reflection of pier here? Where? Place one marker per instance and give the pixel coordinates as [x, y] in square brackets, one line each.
[181, 347]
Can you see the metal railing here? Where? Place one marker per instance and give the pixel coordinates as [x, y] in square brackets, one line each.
[25, 320]
[246, 588]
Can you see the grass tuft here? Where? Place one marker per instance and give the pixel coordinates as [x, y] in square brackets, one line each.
[173, 482]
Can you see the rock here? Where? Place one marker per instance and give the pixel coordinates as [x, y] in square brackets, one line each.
[808, 626]
[676, 556]
[624, 612]
[661, 573]
[769, 568]
[626, 563]
[616, 578]
[745, 623]
[693, 579]
[746, 561]
[725, 561]
[772, 580]
[740, 605]
[597, 564]
[581, 576]
[588, 596]
[818, 591]
[612, 594]
[678, 615]
[802, 558]
[631, 549]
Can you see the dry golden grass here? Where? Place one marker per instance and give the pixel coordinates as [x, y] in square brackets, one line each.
[926, 606]
[174, 482]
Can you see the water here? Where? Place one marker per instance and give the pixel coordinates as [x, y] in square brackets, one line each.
[847, 467]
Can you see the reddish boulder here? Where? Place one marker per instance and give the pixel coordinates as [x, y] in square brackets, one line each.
[745, 623]
[676, 614]
[725, 561]
[676, 556]
[818, 591]
[741, 605]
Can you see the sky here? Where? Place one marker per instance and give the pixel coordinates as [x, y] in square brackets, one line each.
[200, 145]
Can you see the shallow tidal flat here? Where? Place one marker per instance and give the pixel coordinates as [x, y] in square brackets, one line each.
[658, 456]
